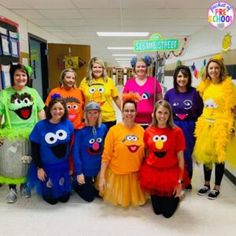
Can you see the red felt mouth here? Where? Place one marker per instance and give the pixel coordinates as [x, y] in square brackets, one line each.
[181, 116]
[133, 148]
[25, 113]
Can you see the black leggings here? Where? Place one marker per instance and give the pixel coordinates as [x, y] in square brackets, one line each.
[219, 172]
[164, 205]
[86, 191]
[53, 201]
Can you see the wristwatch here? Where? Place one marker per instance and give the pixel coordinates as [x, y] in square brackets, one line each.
[180, 181]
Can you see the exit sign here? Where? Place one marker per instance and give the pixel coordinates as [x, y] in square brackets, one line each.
[156, 43]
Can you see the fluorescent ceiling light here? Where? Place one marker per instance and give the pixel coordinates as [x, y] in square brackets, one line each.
[120, 48]
[123, 34]
[124, 55]
[122, 59]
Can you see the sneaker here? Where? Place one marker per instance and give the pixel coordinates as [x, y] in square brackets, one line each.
[11, 196]
[25, 191]
[204, 190]
[213, 194]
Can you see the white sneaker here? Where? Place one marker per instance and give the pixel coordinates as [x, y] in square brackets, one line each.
[11, 196]
[25, 191]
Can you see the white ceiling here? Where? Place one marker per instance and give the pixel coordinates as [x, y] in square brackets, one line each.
[77, 21]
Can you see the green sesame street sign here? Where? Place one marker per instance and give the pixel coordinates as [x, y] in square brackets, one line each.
[156, 43]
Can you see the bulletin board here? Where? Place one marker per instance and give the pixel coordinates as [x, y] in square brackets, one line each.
[9, 49]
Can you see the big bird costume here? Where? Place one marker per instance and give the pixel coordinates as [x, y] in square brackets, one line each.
[214, 130]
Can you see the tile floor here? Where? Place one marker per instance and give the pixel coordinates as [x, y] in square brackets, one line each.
[195, 216]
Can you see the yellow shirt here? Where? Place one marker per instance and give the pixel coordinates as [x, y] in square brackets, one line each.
[124, 148]
[102, 92]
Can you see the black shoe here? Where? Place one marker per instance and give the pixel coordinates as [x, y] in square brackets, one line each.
[189, 187]
[213, 194]
[204, 190]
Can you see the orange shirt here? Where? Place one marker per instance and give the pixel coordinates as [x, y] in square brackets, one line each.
[124, 148]
[75, 103]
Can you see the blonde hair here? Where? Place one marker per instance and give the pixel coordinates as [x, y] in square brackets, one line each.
[63, 74]
[90, 76]
[165, 104]
[223, 70]
[99, 120]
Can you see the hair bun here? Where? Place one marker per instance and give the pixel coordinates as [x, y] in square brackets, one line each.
[133, 61]
[148, 60]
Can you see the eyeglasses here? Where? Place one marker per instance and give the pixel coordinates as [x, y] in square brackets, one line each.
[129, 111]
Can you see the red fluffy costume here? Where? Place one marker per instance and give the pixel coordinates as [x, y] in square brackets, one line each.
[160, 172]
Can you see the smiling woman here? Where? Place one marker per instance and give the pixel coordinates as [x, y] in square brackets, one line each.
[50, 144]
[21, 107]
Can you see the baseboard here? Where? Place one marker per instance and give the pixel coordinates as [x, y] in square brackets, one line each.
[230, 176]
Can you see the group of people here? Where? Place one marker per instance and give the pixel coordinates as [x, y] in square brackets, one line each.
[78, 145]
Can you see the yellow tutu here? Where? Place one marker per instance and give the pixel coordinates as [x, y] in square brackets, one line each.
[123, 190]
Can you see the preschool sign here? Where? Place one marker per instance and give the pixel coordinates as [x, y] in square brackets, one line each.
[156, 43]
[220, 15]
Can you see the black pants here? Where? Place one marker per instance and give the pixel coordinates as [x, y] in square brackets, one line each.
[164, 205]
[219, 172]
[86, 191]
[53, 201]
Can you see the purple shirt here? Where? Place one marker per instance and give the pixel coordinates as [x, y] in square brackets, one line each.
[185, 106]
[146, 91]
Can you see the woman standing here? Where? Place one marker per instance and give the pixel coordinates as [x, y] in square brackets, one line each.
[98, 87]
[186, 105]
[87, 152]
[122, 157]
[215, 127]
[162, 172]
[50, 142]
[21, 108]
[147, 87]
[73, 97]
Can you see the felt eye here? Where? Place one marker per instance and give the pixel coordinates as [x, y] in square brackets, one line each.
[61, 134]
[92, 90]
[26, 100]
[50, 138]
[101, 89]
[99, 140]
[91, 141]
[134, 138]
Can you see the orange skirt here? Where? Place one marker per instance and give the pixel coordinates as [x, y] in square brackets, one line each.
[123, 190]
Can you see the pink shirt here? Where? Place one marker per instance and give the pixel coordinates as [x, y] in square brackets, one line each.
[146, 91]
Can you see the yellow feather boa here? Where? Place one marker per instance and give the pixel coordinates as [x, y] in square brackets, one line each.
[213, 135]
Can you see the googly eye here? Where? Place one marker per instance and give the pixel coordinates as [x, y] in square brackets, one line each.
[163, 138]
[99, 140]
[68, 106]
[134, 138]
[61, 134]
[101, 89]
[17, 101]
[75, 107]
[155, 138]
[92, 90]
[26, 100]
[129, 138]
[50, 138]
[91, 141]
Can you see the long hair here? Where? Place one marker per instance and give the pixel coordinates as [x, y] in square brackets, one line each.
[19, 67]
[52, 103]
[165, 104]
[63, 74]
[90, 76]
[99, 120]
[186, 72]
[223, 70]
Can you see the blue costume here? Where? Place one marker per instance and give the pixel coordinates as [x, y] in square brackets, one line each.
[53, 141]
[87, 151]
[186, 107]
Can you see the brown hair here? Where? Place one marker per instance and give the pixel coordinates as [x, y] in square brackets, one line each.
[52, 103]
[223, 70]
[165, 104]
